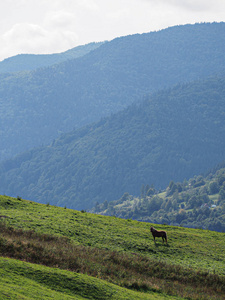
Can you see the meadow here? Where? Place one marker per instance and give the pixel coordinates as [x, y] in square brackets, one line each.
[21, 280]
[114, 251]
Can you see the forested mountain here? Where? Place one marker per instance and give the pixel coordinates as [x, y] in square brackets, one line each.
[198, 203]
[175, 134]
[36, 106]
[28, 62]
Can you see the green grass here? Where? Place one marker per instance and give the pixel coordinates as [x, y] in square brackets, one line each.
[132, 271]
[116, 246]
[21, 280]
[214, 197]
[191, 247]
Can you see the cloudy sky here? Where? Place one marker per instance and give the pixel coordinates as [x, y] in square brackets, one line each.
[50, 26]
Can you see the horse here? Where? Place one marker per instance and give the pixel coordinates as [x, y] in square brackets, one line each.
[159, 233]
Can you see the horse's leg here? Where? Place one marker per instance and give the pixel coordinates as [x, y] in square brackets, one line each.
[165, 237]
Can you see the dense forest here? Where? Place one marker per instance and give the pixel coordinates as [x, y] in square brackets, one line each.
[197, 203]
[37, 106]
[172, 135]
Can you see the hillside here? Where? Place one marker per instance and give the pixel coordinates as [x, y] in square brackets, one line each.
[36, 106]
[20, 280]
[196, 203]
[118, 251]
[28, 62]
[173, 135]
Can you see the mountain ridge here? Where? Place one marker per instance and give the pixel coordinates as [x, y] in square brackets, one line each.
[29, 62]
[37, 106]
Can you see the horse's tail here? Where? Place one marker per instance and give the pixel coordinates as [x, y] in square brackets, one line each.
[166, 236]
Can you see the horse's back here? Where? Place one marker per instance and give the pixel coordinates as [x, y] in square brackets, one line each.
[159, 233]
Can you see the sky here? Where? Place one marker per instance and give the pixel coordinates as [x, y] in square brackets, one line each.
[52, 26]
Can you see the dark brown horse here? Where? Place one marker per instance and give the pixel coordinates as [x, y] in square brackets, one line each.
[159, 233]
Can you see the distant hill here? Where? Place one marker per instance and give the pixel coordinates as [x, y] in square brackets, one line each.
[197, 203]
[175, 134]
[37, 106]
[28, 62]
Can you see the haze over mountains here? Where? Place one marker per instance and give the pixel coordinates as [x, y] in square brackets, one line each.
[173, 134]
[37, 106]
[28, 62]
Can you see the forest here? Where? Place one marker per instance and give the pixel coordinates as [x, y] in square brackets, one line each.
[195, 203]
[172, 135]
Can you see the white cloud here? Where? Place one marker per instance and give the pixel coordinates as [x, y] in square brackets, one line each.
[32, 38]
[59, 19]
[47, 26]
[197, 5]
[187, 3]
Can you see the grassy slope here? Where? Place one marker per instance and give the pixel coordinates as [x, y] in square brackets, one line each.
[23, 280]
[193, 248]
[20, 280]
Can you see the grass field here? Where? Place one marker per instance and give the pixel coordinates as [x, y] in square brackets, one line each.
[20, 280]
[191, 265]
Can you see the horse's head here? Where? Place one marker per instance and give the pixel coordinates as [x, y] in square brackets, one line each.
[151, 229]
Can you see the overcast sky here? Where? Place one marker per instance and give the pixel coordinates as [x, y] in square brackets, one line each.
[50, 26]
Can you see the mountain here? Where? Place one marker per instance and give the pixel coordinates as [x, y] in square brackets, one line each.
[36, 106]
[175, 134]
[28, 62]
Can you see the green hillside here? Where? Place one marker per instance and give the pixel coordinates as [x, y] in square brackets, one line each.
[173, 135]
[118, 251]
[196, 203]
[36, 106]
[28, 62]
[20, 280]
